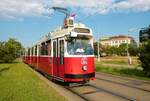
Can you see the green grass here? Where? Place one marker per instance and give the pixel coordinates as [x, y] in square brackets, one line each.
[128, 72]
[119, 60]
[116, 62]
[19, 83]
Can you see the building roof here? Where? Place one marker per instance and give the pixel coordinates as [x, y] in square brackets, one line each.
[116, 37]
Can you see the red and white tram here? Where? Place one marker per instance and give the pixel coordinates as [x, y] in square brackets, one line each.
[65, 54]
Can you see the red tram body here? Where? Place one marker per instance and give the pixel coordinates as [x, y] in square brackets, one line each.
[65, 54]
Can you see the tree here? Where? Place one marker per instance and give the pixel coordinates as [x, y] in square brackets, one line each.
[133, 50]
[10, 50]
[2, 45]
[145, 57]
[122, 49]
[111, 50]
[95, 48]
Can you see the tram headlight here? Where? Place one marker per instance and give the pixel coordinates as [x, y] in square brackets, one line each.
[84, 68]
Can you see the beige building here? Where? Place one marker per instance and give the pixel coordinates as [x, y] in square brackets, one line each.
[117, 40]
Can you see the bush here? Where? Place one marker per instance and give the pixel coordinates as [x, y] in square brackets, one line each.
[9, 50]
[145, 57]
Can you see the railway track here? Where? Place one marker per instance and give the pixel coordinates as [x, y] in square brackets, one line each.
[123, 91]
[123, 78]
[139, 90]
[122, 84]
[94, 91]
[71, 90]
[118, 95]
[97, 90]
[137, 84]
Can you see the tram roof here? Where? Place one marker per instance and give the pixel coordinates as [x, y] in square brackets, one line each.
[58, 32]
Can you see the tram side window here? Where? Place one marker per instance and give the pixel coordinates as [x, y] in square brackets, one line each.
[32, 51]
[54, 52]
[39, 50]
[54, 49]
[49, 48]
[61, 51]
[35, 50]
[44, 49]
[28, 52]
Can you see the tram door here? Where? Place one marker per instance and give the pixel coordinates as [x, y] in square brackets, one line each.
[58, 58]
[55, 58]
[61, 57]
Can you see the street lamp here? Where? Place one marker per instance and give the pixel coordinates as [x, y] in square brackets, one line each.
[98, 49]
[128, 54]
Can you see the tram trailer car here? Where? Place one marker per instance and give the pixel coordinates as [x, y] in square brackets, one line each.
[65, 54]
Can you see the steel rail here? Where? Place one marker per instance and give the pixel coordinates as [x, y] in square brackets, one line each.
[129, 79]
[115, 94]
[98, 78]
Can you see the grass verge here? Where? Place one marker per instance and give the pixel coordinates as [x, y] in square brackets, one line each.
[18, 83]
[121, 71]
[119, 60]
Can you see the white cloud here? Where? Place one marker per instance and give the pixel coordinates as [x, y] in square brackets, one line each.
[88, 6]
[14, 9]
[132, 5]
[18, 9]
[104, 6]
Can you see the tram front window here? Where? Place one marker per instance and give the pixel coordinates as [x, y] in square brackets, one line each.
[79, 46]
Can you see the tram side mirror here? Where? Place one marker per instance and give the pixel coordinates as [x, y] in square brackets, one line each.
[68, 38]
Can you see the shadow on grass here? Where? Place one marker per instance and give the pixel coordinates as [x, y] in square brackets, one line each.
[6, 66]
[132, 72]
[4, 69]
[9, 62]
[116, 62]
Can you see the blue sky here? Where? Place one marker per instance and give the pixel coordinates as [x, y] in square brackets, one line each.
[28, 20]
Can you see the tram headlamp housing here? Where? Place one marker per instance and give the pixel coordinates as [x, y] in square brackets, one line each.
[84, 68]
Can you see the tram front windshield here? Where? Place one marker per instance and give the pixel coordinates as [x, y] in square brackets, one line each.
[79, 46]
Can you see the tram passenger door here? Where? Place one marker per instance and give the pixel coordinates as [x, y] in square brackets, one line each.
[55, 58]
[58, 58]
[61, 58]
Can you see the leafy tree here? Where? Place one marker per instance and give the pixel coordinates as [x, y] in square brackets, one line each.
[1, 50]
[111, 50]
[122, 49]
[10, 50]
[95, 48]
[133, 50]
[145, 57]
